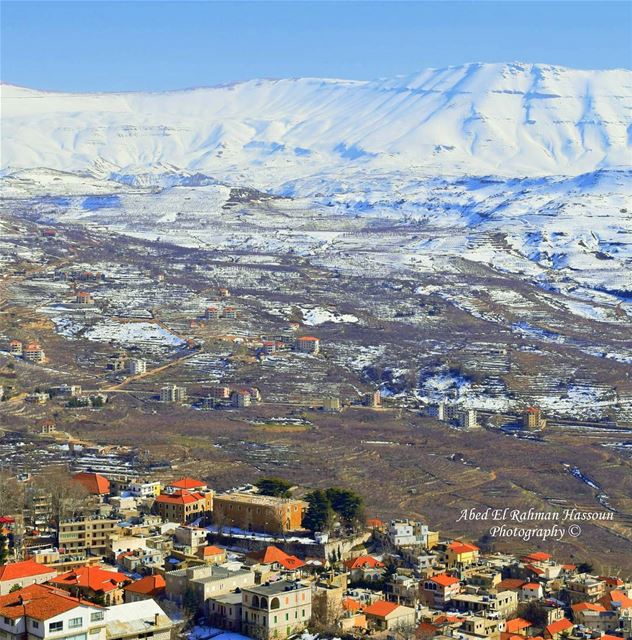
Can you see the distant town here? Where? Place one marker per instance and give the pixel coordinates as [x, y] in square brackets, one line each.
[125, 556]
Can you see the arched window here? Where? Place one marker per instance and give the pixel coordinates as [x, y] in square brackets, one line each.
[264, 603]
[255, 601]
[274, 603]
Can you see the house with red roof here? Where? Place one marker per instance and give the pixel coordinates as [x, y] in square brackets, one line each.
[558, 629]
[461, 554]
[40, 611]
[147, 588]
[93, 583]
[437, 591]
[595, 617]
[273, 559]
[618, 601]
[94, 483]
[383, 615]
[517, 626]
[188, 484]
[23, 574]
[212, 554]
[364, 568]
[182, 505]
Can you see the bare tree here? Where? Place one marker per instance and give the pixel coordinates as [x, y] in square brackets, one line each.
[68, 497]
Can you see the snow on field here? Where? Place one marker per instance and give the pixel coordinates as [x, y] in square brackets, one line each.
[132, 333]
[318, 315]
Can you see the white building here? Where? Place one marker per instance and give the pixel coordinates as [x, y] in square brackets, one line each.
[141, 489]
[402, 533]
[172, 393]
[38, 612]
[132, 620]
[137, 366]
[468, 419]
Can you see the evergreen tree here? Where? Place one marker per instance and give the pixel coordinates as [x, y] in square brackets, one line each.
[320, 515]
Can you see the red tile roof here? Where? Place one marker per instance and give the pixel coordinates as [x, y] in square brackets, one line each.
[374, 523]
[537, 556]
[39, 602]
[364, 562]
[349, 604]
[179, 497]
[517, 624]
[510, 584]
[187, 483]
[94, 483]
[381, 608]
[272, 555]
[444, 580]
[149, 585]
[212, 550]
[93, 578]
[462, 547]
[587, 606]
[559, 626]
[616, 599]
[531, 586]
[24, 569]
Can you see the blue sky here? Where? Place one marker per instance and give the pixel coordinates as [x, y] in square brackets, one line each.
[146, 45]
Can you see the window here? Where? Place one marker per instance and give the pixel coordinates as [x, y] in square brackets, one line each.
[55, 626]
[96, 616]
[35, 624]
[73, 623]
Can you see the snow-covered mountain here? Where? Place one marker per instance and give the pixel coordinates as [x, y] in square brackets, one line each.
[502, 119]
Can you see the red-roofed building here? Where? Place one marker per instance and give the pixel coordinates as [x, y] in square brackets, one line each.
[365, 568]
[189, 484]
[40, 611]
[537, 556]
[183, 506]
[93, 583]
[517, 626]
[146, 588]
[556, 629]
[438, 590]
[308, 344]
[212, 554]
[617, 601]
[349, 604]
[94, 483]
[374, 523]
[275, 559]
[23, 574]
[383, 615]
[461, 554]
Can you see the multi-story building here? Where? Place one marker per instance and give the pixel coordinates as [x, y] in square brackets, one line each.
[385, 616]
[173, 393]
[461, 554]
[144, 489]
[254, 512]
[403, 533]
[308, 344]
[229, 312]
[83, 297]
[502, 604]
[33, 352]
[219, 392]
[224, 611]
[276, 610]
[241, 398]
[585, 588]
[183, 506]
[88, 535]
[212, 313]
[40, 613]
[437, 591]
[468, 419]
[532, 419]
[16, 347]
[137, 366]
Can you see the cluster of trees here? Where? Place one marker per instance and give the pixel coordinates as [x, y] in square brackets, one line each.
[328, 505]
[273, 486]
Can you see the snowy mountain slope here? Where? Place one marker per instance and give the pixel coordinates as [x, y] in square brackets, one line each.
[506, 119]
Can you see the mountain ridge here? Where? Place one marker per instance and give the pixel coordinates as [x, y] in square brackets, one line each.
[480, 118]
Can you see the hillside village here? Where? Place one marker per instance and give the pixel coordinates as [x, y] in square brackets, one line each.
[133, 557]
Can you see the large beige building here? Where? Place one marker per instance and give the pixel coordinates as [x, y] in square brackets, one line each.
[254, 512]
[276, 610]
[88, 535]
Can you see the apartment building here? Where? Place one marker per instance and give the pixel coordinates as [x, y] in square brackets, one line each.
[254, 512]
[173, 393]
[308, 344]
[88, 535]
[502, 604]
[275, 610]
